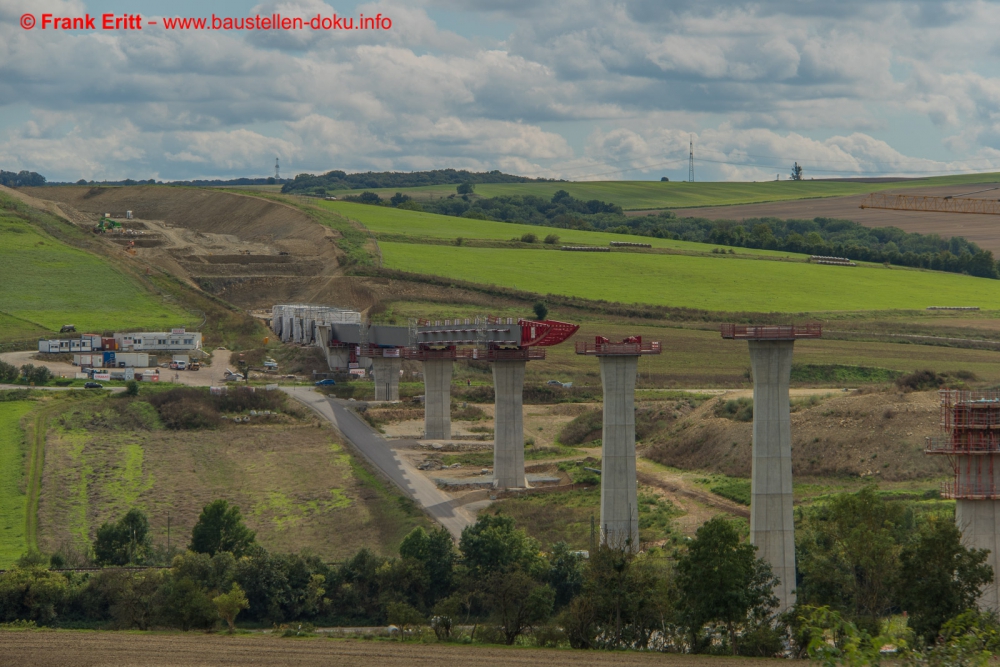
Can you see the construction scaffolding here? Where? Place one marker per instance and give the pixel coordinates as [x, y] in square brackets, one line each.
[771, 331]
[971, 422]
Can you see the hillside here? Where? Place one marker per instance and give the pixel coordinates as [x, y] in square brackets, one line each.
[636, 195]
[48, 283]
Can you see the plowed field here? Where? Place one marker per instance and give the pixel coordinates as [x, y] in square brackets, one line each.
[93, 649]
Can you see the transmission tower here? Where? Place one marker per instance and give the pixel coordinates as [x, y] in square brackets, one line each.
[691, 160]
[276, 173]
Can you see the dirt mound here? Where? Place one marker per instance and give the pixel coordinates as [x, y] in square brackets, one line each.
[877, 434]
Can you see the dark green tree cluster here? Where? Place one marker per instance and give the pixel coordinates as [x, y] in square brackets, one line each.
[335, 180]
[21, 178]
[37, 375]
[866, 558]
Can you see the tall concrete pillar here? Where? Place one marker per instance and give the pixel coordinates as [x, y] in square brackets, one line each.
[508, 440]
[979, 520]
[772, 528]
[437, 399]
[386, 372]
[619, 505]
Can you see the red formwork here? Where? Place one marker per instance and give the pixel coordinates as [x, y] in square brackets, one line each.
[630, 347]
[771, 331]
[971, 441]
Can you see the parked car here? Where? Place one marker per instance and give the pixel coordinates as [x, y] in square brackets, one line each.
[326, 383]
[93, 385]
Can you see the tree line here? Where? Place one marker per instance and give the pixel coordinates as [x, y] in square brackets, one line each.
[335, 180]
[21, 178]
[863, 559]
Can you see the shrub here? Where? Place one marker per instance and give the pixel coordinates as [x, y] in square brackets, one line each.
[8, 372]
[585, 428]
[552, 239]
[924, 380]
[189, 414]
[529, 238]
[739, 410]
[131, 388]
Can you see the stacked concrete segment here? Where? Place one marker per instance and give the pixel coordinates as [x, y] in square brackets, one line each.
[386, 373]
[619, 505]
[508, 442]
[772, 528]
[437, 398]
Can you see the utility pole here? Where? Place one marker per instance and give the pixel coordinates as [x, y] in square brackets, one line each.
[691, 160]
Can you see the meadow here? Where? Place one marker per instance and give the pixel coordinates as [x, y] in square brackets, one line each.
[13, 499]
[707, 282]
[47, 284]
[638, 195]
[383, 220]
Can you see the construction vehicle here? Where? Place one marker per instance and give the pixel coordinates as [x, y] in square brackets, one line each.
[194, 366]
[106, 224]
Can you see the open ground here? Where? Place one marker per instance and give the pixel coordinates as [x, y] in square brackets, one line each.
[94, 649]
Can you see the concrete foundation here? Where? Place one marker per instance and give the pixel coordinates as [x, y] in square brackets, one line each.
[772, 529]
[619, 507]
[979, 521]
[508, 447]
[437, 399]
[386, 372]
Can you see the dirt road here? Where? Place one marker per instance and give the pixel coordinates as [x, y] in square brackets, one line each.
[119, 649]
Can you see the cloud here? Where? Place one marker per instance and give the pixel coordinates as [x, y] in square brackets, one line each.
[581, 88]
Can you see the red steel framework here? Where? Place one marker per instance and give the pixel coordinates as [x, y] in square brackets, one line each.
[971, 422]
[629, 347]
[772, 331]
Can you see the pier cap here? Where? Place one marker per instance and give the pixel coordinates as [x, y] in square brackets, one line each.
[771, 331]
[629, 347]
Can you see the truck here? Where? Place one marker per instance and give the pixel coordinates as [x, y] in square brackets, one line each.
[194, 366]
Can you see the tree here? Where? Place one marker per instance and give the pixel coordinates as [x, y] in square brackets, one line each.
[465, 189]
[126, 542]
[8, 372]
[398, 199]
[517, 602]
[230, 605]
[940, 578]
[221, 528]
[540, 311]
[435, 551]
[38, 375]
[565, 573]
[131, 388]
[721, 580]
[494, 544]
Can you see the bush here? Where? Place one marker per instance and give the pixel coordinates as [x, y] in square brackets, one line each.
[740, 409]
[552, 239]
[924, 380]
[585, 428]
[529, 238]
[189, 414]
[131, 388]
[8, 372]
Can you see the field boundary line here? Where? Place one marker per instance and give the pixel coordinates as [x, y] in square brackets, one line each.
[36, 462]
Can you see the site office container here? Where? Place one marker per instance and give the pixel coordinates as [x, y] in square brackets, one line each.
[95, 341]
[83, 359]
[109, 344]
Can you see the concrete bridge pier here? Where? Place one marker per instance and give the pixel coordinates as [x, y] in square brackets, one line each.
[772, 527]
[437, 398]
[386, 372]
[508, 443]
[619, 505]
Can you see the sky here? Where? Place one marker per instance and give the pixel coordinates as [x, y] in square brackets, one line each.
[574, 89]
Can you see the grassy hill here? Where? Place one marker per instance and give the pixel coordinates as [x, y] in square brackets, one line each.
[752, 280]
[637, 195]
[47, 283]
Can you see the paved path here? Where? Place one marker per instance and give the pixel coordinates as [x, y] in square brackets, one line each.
[440, 506]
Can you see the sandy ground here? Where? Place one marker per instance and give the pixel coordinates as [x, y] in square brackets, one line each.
[119, 649]
[206, 376]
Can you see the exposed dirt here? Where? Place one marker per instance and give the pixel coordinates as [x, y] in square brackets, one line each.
[100, 649]
[874, 434]
[983, 229]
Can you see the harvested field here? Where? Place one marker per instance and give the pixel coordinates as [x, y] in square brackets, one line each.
[983, 229]
[93, 649]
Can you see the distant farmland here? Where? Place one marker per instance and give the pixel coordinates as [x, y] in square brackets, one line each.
[635, 195]
[47, 284]
[706, 282]
[13, 499]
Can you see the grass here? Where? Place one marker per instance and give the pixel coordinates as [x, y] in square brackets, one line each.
[394, 223]
[636, 195]
[841, 374]
[13, 499]
[717, 283]
[47, 284]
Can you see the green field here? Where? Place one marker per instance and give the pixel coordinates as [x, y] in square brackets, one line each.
[637, 195]
[47, 284]
[383, 220]
[719, 283]
[13, 499]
